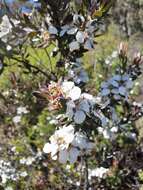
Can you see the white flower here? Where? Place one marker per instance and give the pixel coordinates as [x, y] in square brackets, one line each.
[53, 122]
[17, 119]
[21, 110]
[24, 174]
[4, 178]
[8, 188]
[29, 160]
[8, 48]
[114, 54]
[98, 172]
[59, 142]
[5, 26]
[105, 132]
[22, 161]
[65, 145]
[70, 90]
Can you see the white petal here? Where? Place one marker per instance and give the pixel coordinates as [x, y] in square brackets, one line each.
[104, 85]
[67, 85]
[74, 46]
[73, 155]
[80, 37]
[84, 106]
[47, 148]
[72, 31]
[105, 92]
[122, 90]
[50, 148]
[79, 117]
[106, 134]
[69, 111]
[17, 119]
[129, 84]
[115, 91]
[114, 83]
[87, 96]
[114, 129]
[117, 77]
[63, 156]
[52, 30]
[88, 45]
[75, 93]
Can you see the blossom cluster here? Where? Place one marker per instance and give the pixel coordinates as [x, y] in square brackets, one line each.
[67, 145]
[118, 86]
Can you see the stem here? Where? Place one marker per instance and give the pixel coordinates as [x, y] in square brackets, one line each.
[81, 172]
[86, 182]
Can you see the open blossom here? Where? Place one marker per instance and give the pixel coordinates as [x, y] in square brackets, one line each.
[65, 145]
[70, 90]
[84, 37]
[22, 110]
[17, 119]
[5, 26]
[100, 172]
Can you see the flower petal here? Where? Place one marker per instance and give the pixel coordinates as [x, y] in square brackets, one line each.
[72, 31]
[67, 85]
[74, 46]
[122, 90]
[63, 156]
[84, 106]
[80, 37]
[105, 92]
[73, 155]
[79, 117]
[75, 93]
[52, 30]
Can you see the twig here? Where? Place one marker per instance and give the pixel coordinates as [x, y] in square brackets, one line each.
[86, 182]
